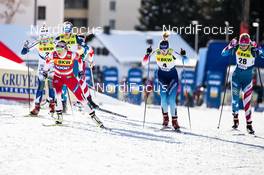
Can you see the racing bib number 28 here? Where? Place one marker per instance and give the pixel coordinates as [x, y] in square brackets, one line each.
[242, 61]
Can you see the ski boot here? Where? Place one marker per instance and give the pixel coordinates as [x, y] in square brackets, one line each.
[250, 128]
[91, 103]
[64, 107]
[96, 119]
[175, 123]
[165, 119]
[59, 119]
[35, 111]
[236, 121]
[52, 107]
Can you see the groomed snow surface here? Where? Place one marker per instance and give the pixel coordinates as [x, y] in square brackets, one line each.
[80, 148]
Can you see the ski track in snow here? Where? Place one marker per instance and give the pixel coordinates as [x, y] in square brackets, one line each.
[27, 147]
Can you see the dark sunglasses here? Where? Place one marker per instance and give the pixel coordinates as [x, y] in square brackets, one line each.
[60, 46]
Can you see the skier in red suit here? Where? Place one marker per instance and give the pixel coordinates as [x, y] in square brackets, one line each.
[59, 66]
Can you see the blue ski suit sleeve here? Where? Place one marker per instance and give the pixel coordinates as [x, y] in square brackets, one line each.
[227, 52]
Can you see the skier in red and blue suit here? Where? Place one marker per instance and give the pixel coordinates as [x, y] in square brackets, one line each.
[246, 51]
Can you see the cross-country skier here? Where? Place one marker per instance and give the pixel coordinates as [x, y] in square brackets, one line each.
[245, 51]
[88, 60]
[168, 80]
[45, 46]
[62, 62]
[77, 44]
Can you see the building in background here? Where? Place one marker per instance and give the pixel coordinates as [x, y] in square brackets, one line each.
[47, 11]
[77, 12]
[118, 14]
[50, 12]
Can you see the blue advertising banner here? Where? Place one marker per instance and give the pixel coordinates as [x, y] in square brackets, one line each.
[134, 82]
[214, 89]
[88, 77]
[187, 85]
[111, 81]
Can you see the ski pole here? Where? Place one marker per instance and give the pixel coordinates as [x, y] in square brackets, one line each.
[146, 99]
[110, 112]
[188, 108]
[33, 44]
[223, 100]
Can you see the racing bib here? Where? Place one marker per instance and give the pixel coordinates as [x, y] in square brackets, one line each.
[244, 59]
[71, 41]
[63, 65]
[165, 61]
[63, 62]
[45, 47]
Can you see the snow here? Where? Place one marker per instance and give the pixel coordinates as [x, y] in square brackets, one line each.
[27, 147]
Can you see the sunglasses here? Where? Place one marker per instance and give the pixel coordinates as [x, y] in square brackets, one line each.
[243, 45]
[60, 46]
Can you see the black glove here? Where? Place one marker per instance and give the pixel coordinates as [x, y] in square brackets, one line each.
[149, 50]
[183, 52]
[81, 75]
[25, 49]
